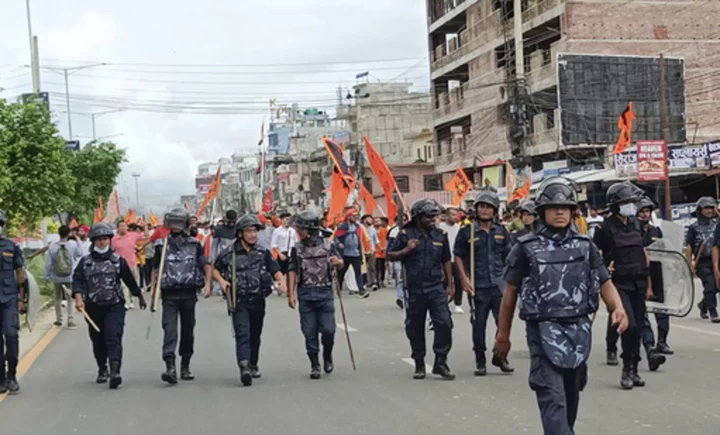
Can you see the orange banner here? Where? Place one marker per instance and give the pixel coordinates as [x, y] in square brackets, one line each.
[339, 193]
[370, 203]
[625, 124]
[212, 193]
[113, 208]
[153, 219]
[130, 217]
[73, 223]
[510, 178]
[141, 221]
[460, 186]
[98, 211]
[387, 181]
[522, 192]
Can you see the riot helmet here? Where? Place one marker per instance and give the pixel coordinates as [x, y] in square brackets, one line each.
[556, 191]
[645, 202]
[424, 207]
[489, 197]
[177, 219]
[247, 221]
[703, 203]
[308, 220]
[527, 206]
[622, 193]
[100, 229]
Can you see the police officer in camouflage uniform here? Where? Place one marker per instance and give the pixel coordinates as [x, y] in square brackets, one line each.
[558, 275]
[255, 269]
[186, 270]
[310, 281]
[620, 239]
[492, 246]
[12, 284]
[700, 241]
[425, 253]
[97, 290]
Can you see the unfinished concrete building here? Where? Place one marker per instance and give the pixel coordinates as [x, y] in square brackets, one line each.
[473, 66]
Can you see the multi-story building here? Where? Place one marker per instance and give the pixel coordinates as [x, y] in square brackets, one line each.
[473, 73]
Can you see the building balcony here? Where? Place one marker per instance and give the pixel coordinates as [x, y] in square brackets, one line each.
[466, 100]
[447, 11]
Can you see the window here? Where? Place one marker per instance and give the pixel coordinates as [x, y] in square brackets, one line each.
[550, 119]
[419, 156]
[432, 183]
[403, 183]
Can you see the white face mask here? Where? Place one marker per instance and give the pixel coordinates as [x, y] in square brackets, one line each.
[101, 250]
[628, 210]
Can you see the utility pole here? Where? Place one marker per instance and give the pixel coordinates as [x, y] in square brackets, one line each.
[137, 191]
[33, 51]
[67, 103]
[666, 133]
[36, 66]
[519, 50]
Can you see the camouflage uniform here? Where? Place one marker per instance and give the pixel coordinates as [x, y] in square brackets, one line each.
[558, 274]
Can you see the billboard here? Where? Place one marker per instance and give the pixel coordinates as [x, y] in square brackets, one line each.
[594, 90]
[651, 160]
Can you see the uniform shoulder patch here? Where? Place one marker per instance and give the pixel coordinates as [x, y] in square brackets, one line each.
[404, 231]
[8, 254]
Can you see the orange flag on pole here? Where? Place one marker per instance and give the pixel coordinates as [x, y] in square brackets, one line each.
[73, 223]
[141, 221]
[370, 203]
[212, 192]
[510, 178]
[113, 208]
[130, 217]
[522, 192]
[625, 124]
[387, 181]
[339, 193]
[460, 185]
[98, 211]
[153, 219]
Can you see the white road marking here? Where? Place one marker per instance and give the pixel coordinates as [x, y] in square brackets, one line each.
[410, 361]
[686, 328]
[349, 328]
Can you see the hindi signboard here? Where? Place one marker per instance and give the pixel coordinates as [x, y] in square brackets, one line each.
[651, 160]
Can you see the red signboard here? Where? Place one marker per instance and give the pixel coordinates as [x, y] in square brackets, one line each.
[652, 160]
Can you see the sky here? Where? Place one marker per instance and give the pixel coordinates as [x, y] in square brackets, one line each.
[190, 82]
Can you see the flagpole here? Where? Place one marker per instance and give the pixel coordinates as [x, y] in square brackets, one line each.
[262, 178]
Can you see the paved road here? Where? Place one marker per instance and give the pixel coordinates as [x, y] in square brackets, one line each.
[59, 395]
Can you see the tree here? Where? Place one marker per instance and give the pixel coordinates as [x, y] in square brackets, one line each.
[35, 179]
[95, 168]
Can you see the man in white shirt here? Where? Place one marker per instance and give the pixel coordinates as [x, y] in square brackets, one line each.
[281, 242]
[367, 221]
[593, 221]
[451, 227]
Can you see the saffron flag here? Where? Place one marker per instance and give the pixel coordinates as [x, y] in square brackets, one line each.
[211, 194]
[522, 192]
[625, 124]
[153, 219]
[130, 217]
[387, 181]
[339, 193]
[370, 203]
[187, 207]
[113, 208]
[267, 201]
[336, 155]
[141, 221]
[460, 186]
[98, 211]
[73, 223]
[510, 178]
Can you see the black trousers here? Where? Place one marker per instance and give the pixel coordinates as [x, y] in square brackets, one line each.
[184, 309]
[10, 323]
[486, 301]
[318, 318]
[380, 271]
[705, 273]
[558, 394]
[107, 344]
[419, 303]
[457, 282]
[634, 305]
[248, 319]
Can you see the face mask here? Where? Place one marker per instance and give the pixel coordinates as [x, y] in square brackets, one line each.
[102, 250]
[628, 210]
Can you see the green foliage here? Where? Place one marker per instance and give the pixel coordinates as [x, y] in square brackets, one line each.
[95, 168]
[35, 178]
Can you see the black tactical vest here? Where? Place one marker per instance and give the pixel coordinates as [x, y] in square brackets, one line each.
[629, 250]
[314, 267]
[102, 277]
[251, 273]
[8, 282]
[182, 269]
[560, 284]
[704, 233]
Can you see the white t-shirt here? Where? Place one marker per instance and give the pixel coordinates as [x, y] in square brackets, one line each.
[452, 232]
[593, 223]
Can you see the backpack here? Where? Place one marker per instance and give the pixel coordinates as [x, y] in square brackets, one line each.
[62, 265]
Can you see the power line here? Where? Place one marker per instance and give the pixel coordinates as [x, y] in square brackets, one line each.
[170, 65]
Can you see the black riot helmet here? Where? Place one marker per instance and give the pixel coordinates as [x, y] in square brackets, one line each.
[705, 202]
[3, 218]
[645, 202]
[527, 206]
[622, 193]
[247, 221]
[556, 191]
[424, 207]
[177, 218]
[487, 196]
[308, 220]
[100, 229]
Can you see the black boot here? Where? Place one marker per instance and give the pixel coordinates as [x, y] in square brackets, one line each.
[503, 364]
[11, 382]
[245, 374]
[703, 310]
[419, 369]
[480, 364]
[637, 380]
[115, 378]
[3, 386]
[328, 366]
[185, 373]
[626, 380]
[655, 360]
[663, 349]
[170, 373]
[103, 375]
[612, 359]
[314, 366]
[441, 368]
[255, 371]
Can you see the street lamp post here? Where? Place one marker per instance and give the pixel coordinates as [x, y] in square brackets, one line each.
[137, 191]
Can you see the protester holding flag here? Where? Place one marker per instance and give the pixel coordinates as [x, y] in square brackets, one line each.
[352, 242]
